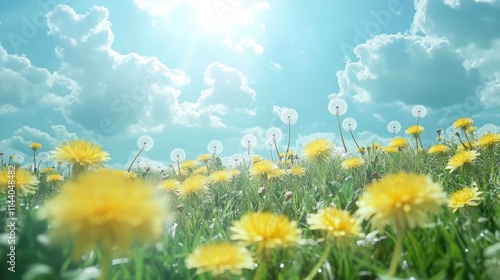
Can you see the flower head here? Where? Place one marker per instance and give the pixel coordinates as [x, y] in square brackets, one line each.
[35, 146]
[349, 124]
[96, 209]
[80, 152]
[274, 134]
[248, 141]
[267, 229]
[47, 170]
[337, 106]
[189, 164]
[337, 223]
[399, 143]
[414, 130]
[24, 181]
[289, 116]
[177, 155]
[55, 177]
[401, 200]
[170, 185]
[204, 158]
[145, 142]
[215, 147]
[419, 111]
[351, 163]
[390, 149]
[488, 140]
[194, 185]
[394, 127]
[262, 169]
[318, 149]
[220, 176]
[438, 149]
[463, 123]
[220, 258]
[464, 197]
[296, 170]
[461, 159]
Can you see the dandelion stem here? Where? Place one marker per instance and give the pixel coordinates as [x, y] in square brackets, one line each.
[395, 254]
[355, 142]
[276, 146]
[261, 256]
[34, 161]
[289, 136]
[105, 266]
[320, 262]
[136, 156]
[341, 135]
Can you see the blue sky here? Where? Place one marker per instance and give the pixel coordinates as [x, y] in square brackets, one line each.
[186, 72]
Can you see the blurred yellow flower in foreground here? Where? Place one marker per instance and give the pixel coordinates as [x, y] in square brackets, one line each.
[401, 200]
[318, 149]
[24, 181]
[461, 159]
[469, 196]
[105, 210]
[80, 152]
[337, 223]
[267, 229]
[220, 258]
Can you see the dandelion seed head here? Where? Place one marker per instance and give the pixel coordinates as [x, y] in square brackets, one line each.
[337, 106]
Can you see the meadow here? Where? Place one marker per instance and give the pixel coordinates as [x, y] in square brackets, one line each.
[401, 210]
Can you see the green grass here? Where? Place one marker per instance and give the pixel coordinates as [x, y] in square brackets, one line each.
[460, 245]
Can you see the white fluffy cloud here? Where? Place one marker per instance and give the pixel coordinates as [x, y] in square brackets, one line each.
[444, 62]
[227, 96]
[243, 44]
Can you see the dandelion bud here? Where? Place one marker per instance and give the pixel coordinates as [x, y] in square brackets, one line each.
[180, 208]
[261, 191]
[288, 195]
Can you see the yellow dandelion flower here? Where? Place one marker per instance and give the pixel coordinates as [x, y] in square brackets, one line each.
[351, 163]
[47, 170]
[318, 149]
[194, 185]
[255, 158]
[400, 200]
[361, 150]
[204, 158]
[461, 159]
[488, 140]
[81, 152]
[55, 177]
[438, 149]
[220, 258]
[170, 185]
[297, 170]
[189, 164]
[276, 174]
[24, 181]
[414, 130]
[462, 123]
[464, 197]
[202, 170]
[220, 176]
[337, 223]
[282, 155]
[267, 229]
[390, 149]
[262, 169]
[235, 172]
[374, 146]
[470, 129]
[35, 146]
[105, 210]
[399, 142]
